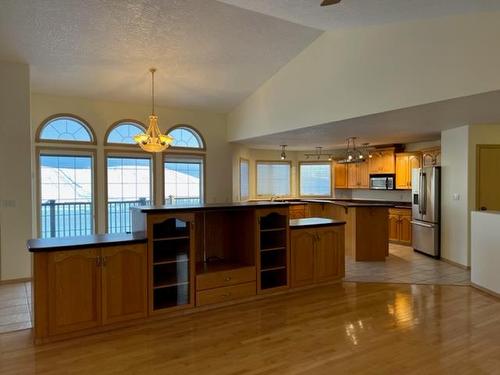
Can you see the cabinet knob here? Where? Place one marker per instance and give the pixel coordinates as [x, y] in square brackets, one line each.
[227, 278]
[483, 208]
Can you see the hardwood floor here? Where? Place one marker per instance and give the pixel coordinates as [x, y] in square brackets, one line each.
[343, 328]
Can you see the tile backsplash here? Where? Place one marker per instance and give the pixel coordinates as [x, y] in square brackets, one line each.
[386, 195]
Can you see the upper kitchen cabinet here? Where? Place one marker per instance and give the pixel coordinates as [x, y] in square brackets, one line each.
[431, 157]
[405, 162]
[358, 176]
[340, 176]
[382, 162]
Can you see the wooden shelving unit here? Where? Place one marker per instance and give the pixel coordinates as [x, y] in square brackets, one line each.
[171, 262]
[273, 250]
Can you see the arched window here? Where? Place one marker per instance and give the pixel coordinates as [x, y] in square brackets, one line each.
[186, 137]
[67, 128]
[123, 132]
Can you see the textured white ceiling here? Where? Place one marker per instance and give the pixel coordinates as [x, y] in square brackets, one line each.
[420, 123]
[209, 55]
[356, 13]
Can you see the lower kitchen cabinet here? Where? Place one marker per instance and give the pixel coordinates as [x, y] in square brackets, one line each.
[400, 226]
[89, 288]
[317, 255]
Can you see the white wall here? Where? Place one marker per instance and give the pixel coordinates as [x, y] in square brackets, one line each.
[485, 250]
[349, 73]
[101, 114]
[455, 180]
[15, 171]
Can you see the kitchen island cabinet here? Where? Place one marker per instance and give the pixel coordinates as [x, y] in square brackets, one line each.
[317, 251]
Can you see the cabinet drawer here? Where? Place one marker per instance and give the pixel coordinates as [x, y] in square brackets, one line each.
[225, 278]
[400, 211]
[227, 293]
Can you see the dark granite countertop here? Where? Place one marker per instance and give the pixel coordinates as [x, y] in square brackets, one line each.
[78, 242]
[209, 206]
[350, 203]
[314, 222]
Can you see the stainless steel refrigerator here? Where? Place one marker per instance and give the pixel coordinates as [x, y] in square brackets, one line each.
[426, 204]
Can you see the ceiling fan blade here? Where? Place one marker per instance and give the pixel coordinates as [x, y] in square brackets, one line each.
[324, 3]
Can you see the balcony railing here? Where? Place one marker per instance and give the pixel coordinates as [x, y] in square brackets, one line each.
[67, 219]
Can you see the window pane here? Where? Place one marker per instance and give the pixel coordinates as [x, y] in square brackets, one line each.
[315, 179]
[244, 185]
[65, 129]
[273, 179]
[183, 181]
[66, 195]
[129, 185]
[185, 137]
[124, 133]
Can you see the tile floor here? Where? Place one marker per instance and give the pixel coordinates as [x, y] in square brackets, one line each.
[402, 266]
[15, 306]
[406, 266]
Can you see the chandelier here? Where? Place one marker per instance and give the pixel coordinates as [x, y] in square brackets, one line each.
[354, 154]
[153, 140]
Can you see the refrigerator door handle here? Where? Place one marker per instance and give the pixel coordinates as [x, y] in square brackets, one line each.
[422, 224]
[423, 192]
[420, 192]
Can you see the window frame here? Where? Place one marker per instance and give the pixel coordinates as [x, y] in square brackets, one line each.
[185, 155]
[195, 131]
[300, 177]
[257, 162]
[79, 119]
[117, 124]
[244, 160]
[124, 154]
[64, 151]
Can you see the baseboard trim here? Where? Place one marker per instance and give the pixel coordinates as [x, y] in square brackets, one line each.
[15, 281]
[455, 264]
[485, 290]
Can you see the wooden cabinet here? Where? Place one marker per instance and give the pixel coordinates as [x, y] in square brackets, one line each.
[74, 290]
[405, 163]
[88, 288]
[272, 249]
[400, 226]
[431, 157]
[317, 255]
[340, 176]
[382, 162]
[298, 211]
[358, 176]
[124, 283]
[171, 241]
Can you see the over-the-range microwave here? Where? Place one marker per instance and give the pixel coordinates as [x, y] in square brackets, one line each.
[382, 182]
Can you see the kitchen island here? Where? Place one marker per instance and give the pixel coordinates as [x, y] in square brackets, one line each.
[366, 230]
[178, 260]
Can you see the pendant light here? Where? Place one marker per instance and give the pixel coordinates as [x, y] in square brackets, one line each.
[153, 140]
[283, 152]
[354, 154]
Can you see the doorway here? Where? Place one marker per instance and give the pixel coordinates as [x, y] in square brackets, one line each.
[488, 178]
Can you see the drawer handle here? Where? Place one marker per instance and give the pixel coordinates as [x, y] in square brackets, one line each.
[225, 295]
[227, 278]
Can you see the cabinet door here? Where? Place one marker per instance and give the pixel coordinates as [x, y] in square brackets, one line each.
[375, 163]
[405, 229]
[329, 255]
[363, 176]
[340, 176]
[124, 282]
[388, 162]
[352, 176]
[402, 171]
[74, 293]
[414, 161]
[394, 228]
[302, 259]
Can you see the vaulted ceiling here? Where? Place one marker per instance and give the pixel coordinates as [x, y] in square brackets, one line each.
[209, 54]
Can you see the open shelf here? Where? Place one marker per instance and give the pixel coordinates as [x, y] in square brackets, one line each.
[217, 266]
[170, 296]
[273, 250]
[273, 278]
[171, 238]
